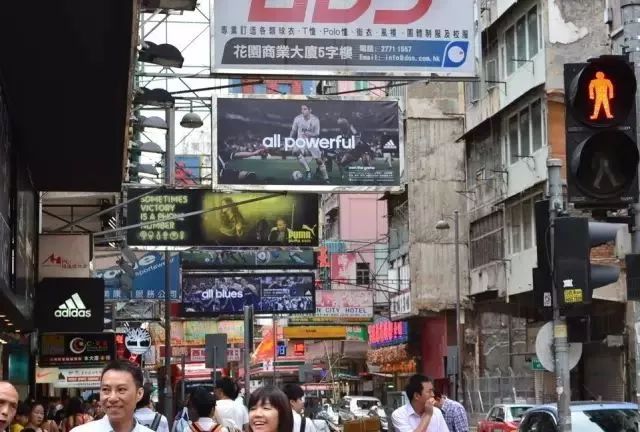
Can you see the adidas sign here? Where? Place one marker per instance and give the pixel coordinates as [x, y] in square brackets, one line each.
[390, 145]
[73, 307]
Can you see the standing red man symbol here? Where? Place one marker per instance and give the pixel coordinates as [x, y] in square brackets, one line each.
[601, 89]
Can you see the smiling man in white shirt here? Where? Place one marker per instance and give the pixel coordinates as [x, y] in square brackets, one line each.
[120, 391]
[419, 415]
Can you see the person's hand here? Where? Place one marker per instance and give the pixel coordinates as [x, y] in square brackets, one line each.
[428, 407]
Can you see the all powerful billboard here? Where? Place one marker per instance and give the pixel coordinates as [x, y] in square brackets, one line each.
[302, 143]
[227, 294]
[221, 219]
[386, 38]
[290, 258]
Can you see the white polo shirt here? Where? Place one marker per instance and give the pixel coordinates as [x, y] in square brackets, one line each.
[227, 409]
[103, 425]
[147, 415]
[405, 419]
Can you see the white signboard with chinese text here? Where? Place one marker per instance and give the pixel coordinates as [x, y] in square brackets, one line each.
[363, 38]
[401, 305]
[64, 255]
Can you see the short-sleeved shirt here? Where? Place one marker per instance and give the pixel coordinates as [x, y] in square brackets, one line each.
[309, 127]
[405, 419]
[227, 409]
[103, 425]
[146, 417]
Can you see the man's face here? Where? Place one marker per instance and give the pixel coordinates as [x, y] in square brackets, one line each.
[119, 395]
[426, 394]
[305, 111]
[282, 225]
[298, 405]
[8, 404]
[438, 402]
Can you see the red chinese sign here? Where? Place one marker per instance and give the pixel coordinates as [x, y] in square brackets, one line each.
[388, 333]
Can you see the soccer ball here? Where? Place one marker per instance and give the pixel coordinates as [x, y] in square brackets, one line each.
[297, 176]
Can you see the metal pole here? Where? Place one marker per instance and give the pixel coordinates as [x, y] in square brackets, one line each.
[459, 335]
[169, 175]
[248, 348]
[560, 340]
[275, 347]
[631, 22]
[183, 390]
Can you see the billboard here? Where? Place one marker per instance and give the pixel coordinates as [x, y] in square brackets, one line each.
[339, 306]
[385, 38]
[64, 255]
[304, 143]
[263, 258]
[221, 219]
[149, 280]
[188, 170]
[227, 294]
[343, 270]
[77, 349]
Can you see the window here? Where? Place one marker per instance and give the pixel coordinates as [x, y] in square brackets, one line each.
[259, 88]
[513, 139]
[522, 40]
[524, 131]
[536, 125]
[532, 29]
[521, 225]
[486, 240]
[362, 273]
[511, 50]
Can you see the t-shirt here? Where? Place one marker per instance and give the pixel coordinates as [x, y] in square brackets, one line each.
[297, 422]
[227, 409]
[16, 427]
[306, 127]
[146, 417]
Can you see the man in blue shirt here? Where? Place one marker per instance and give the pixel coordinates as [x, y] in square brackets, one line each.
[454, 413]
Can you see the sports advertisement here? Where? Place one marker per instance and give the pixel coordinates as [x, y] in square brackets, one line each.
[227, 294]
[221, 219]
[289, 258]
[308, 143]
[379, 38]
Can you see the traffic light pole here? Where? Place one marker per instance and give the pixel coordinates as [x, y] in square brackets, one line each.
[560, 340]
[630, 15]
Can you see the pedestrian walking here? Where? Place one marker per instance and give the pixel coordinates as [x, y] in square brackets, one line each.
[228, 412]
[146, 415]
[75, 414]
[201, 406]
[270, 411]
[295, 393]
[454, 413]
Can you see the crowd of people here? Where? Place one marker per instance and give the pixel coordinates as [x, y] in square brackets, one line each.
[125, 406]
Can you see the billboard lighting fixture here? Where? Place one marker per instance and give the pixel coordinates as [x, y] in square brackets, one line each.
[153, 122]
[165, 55]
[180, 5]
[191, 120]
[154, 97]
[147, 147]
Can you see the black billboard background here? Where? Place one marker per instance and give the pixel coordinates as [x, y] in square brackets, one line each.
[52, 292]
[242, 123]
[82, 349]
[251, 224]
[292, 293]
[263, 258]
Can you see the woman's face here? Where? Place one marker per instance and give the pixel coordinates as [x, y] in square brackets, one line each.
[263, 417]
[37, 415]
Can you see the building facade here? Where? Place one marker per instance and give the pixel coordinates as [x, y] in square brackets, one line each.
[514, 123]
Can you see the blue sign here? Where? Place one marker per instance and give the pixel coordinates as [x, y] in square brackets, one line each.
[148, 283]
[282, 350]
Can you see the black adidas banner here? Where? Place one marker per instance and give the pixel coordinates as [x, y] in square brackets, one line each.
[70, 305]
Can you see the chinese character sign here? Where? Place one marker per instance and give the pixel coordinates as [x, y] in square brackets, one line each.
[388, 333]
[368, 38]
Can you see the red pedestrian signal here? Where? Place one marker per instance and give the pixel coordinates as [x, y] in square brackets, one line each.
[602, 153]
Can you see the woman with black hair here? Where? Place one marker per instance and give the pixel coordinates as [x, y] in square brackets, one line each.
[270, 411]
[75, 414]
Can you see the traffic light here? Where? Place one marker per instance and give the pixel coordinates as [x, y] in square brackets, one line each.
[542, 288]
[601, 147]
[134, 162]
[575, 276]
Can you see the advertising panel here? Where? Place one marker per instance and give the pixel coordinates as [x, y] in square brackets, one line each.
[401, 305]
[233, 329]
[389, 38]
[339, 305]
[221, 219]
[388, 333]
[304, 143]
[80, 349]
[70, 305]
[79, 378]
[148, 283]
[315, 332]
[263, 258]
[64, 255]
[343, 270]
[188, 170]
[195, 331]
[26, 236]
[227, 294]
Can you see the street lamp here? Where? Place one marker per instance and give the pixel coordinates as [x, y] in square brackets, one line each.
[191, 120]
[442, 224]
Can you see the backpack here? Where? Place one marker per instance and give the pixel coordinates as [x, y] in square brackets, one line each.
[156, 422]
[303, 424]
[195, 428]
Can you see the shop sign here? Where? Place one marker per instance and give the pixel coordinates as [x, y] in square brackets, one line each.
[388, 333]
[401, 305]
[76, 349]
[315, 332]
[64, 255]
[79, 378]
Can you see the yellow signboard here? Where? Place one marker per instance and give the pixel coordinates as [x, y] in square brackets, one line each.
[315, 332]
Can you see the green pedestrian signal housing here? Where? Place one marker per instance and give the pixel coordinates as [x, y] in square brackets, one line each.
[601, 142]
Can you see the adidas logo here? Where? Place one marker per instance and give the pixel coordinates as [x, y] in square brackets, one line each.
[73, 307]
[390, 146]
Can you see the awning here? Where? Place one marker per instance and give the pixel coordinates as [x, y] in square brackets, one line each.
[65, 67]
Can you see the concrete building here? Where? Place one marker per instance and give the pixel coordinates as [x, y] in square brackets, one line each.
[514, 123]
